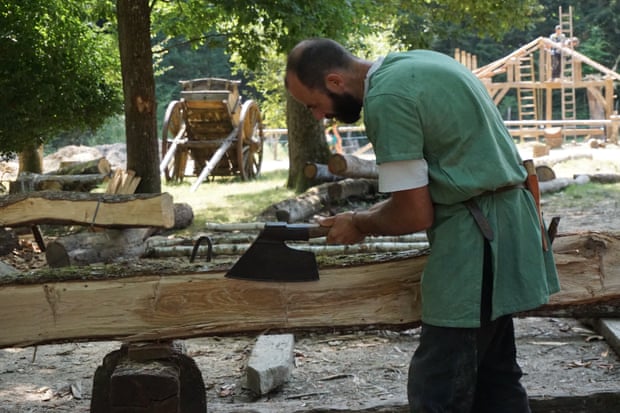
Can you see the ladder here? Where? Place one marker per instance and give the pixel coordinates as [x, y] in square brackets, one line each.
[527, 98]
[568, 90]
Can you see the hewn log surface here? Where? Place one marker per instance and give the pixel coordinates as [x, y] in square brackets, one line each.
[103, 210]
[102, 303]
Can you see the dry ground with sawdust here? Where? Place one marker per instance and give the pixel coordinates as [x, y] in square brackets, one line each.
[355, 369]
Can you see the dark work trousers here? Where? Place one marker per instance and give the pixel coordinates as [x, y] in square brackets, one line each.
[468, 370]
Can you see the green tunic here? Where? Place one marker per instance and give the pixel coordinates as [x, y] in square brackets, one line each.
[423, 104]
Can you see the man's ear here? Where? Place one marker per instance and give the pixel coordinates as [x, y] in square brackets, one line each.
[334, 82]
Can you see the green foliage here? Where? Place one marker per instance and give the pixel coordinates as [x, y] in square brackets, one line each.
[419, 23]
[596, 48]
[58, 71]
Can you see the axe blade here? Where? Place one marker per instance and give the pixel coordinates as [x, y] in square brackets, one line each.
[270, 259]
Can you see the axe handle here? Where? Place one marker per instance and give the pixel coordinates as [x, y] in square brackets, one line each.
[532, 185]
[317, 231]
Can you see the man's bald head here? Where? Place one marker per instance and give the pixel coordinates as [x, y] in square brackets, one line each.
[311, 60]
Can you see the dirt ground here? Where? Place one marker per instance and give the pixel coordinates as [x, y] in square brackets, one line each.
[350, 370]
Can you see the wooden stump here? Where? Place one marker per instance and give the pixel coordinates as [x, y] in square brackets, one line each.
[545, 173]
[540, 149]
[148, 377]
[553, 137]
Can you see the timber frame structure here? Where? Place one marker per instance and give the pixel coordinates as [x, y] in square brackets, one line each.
[528, 70]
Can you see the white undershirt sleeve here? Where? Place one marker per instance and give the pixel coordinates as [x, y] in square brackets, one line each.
[402, 175]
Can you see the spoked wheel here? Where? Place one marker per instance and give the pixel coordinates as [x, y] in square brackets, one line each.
[173, 163]
[250, 141]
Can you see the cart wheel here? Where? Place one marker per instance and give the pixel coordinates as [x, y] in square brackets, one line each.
[250, 141]
[173, 120]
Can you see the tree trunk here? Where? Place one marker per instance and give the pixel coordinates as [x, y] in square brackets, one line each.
[31, 159]
[134, 32]
[306, 143]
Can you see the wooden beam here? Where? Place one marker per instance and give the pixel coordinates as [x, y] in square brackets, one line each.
[101, 210]
[100, 304]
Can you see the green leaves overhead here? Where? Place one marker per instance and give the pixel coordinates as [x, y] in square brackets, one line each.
[58, 70]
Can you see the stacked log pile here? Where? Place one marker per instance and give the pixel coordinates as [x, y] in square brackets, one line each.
[235, 239]
[351, 176]
[82, 177]
[117, 222]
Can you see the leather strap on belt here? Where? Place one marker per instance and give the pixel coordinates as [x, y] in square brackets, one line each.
[481, 220]
[478, 215]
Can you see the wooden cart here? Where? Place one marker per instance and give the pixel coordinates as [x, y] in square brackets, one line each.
[212, 126]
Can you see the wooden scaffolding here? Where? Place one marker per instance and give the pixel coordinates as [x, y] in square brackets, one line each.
[527, 72]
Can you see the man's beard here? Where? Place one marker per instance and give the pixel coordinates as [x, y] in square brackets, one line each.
[346, 108]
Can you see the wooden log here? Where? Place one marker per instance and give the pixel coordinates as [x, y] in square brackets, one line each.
[339, 191]
[299, 208]
[545, 173]
[319, 172]
[123, 182]
[351, 166]
[183, 215]
[164, 251]
[84, 248]
[553, 159]
[99, 166]
[102, 210]
[555, 185]
[601, 178]
[235, 226]
[558, 184]
[30, 182]
[141, 305]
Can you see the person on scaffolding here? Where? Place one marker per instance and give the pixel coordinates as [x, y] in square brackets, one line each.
[556, 52]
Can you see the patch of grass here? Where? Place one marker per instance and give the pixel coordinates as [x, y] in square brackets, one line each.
[587, 194]
[229, 199]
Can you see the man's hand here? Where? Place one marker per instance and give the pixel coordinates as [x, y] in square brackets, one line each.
[342, 229]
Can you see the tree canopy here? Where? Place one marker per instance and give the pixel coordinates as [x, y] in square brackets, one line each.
[58, 71]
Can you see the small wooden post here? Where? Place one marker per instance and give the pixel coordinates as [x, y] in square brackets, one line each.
[148, 377]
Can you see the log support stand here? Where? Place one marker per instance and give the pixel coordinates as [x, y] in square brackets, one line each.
[148, 377]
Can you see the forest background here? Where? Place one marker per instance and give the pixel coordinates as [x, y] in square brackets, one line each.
[60, 64]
